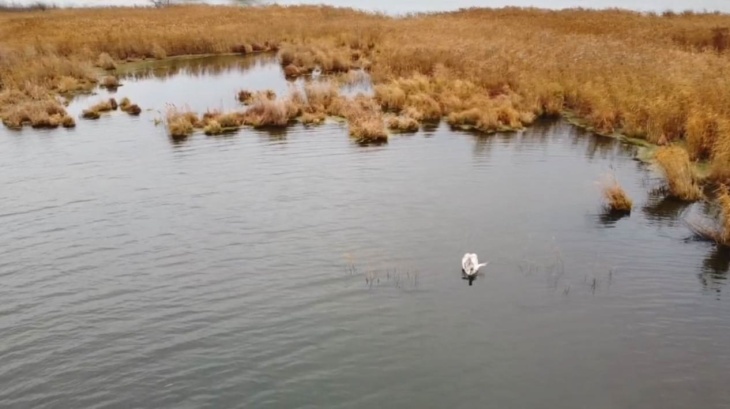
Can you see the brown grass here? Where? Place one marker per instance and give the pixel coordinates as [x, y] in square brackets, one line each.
[681, 179]
[662, 78]
[366, 122]
[133, 109]
[245, 96]
[213, 128]
[265, 112]
[402, 123]
[617, 200]
[180, 123]
[105, 61]
[125, 105]
[313, 118]
[95, 111]
[44, 113]
[304, 58]
[110, 81]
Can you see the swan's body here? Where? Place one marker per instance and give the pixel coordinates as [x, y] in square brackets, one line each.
[316, 73]
[470, 264]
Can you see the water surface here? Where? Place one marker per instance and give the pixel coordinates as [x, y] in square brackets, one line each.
[300, 270]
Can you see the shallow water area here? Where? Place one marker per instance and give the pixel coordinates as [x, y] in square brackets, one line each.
[199, 83]
[202, 83]
[302, 270]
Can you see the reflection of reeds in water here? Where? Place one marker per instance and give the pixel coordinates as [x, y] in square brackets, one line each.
[715, 268]
[663, 209]
[196, 67]
[717, 227]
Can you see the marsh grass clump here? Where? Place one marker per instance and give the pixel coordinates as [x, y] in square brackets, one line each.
[106, 62]
[276, 113]
[681, 180]
[616, 198]
[95, 111]
[292, 71]
[213, 128]
[68, 121]
[180, 123]
[302, 59]
[217, 123]
[67, 85]
[390, 96]
[313, 118]
[402, 123]
[125, 105]
[245, 97]
[368, 129]
[365, 121]
[43, 113]
[133, 110]
[319, 97]
[110, 82]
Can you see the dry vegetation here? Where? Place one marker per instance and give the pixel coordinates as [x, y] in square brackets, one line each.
[681, 179]
[95, 111]
[125, 105]
[662, 78]
[617, 200]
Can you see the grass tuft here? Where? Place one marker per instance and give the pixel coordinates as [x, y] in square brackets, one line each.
[180, 123]
[405, 124]
[95, 111]
[105, 61]
[213, 128]
[110, 82]
[681, 179]
[617, 200]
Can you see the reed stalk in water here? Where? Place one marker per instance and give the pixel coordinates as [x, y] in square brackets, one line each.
[681, 179]
[617, 200]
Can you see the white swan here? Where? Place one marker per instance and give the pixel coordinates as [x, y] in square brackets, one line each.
[470, 264]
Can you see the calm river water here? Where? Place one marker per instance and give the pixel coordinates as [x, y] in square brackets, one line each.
[300, 270]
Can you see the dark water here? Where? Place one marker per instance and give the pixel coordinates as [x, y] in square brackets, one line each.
[411, 6]
[300, 270]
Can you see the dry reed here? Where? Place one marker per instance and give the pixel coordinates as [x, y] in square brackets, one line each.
[662, 78]
[681, 180]
[95, 111]
[617, 200]
[180, 123]
[402, 123]
[125, 105]
[110, 82]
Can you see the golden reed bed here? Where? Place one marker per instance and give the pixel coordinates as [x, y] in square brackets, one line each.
[664, 78]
